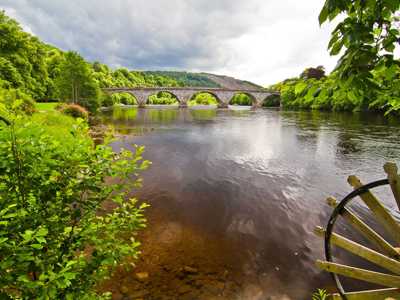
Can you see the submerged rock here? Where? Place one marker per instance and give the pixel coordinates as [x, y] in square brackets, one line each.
[190, 270]
[142, 276]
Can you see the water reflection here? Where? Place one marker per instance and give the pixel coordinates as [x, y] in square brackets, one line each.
[256, 179]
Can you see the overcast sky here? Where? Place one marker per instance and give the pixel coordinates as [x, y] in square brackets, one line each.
[263, 41]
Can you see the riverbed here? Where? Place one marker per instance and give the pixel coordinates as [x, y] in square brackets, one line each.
[236, 193]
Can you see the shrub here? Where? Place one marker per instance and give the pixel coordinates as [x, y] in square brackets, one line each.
[74, 110]
[56, 240]
[17, 101]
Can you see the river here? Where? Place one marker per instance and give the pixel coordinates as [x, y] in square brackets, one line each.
[235, 195]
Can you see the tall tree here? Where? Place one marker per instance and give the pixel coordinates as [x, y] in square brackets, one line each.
[75, 82]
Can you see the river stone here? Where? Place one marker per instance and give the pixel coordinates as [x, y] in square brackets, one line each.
[190, 270]
[124, 289]
[142, 276]
[139, 294]
[184, 289]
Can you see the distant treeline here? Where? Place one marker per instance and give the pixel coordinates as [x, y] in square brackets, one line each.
[186, 78]
[313, 89]
[31, 68]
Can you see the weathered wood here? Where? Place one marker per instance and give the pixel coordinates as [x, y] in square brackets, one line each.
[370, 295]
[360, 274]
[380, 212]
[394, 180]
[365, 230]
[362, 251]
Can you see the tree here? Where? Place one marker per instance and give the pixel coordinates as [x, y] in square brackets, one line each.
[368, 35]
[317, 73]
[22, 62]
[75, 82]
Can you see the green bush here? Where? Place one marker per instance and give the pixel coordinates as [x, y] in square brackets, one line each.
[18, 101]
[56, 240]
[74, 110]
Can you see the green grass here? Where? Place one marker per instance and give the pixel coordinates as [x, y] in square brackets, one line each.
[46, 106]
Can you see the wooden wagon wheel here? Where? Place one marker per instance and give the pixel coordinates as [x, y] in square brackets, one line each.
[386, 256]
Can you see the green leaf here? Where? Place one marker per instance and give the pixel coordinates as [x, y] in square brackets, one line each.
[299, 88]
[42, 232]
[323, 15]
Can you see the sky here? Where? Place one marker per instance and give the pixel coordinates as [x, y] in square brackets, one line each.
[263, 41]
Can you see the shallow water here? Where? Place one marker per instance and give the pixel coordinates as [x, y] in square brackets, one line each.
[251, 185]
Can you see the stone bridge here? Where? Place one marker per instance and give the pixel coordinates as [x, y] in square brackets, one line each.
[184, 94]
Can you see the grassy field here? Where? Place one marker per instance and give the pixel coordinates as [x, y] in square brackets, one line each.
[46, 106]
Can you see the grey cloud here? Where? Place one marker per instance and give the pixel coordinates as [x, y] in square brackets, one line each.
[174, 34]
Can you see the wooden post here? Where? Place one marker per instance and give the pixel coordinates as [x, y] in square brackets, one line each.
[360, 274]
[380, 212]
[394, 180]
[383, 294]
[362, 251]
[365, 230]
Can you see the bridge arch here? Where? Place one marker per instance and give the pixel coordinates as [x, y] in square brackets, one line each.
[272, 100]
[243, 98]
[204, 98]
[183, 94]
[163, 97]
[120, 97]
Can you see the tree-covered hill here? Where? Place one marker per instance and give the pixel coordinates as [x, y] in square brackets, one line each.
[35, 68]
[186, 78]
[206, 80]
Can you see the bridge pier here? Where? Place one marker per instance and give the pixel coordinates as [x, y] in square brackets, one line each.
[222, 105]
[141, 105]
[183, 105]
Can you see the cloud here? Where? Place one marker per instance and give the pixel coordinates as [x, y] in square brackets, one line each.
[261, 41]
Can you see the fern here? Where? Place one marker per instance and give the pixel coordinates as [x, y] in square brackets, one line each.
[320, 294]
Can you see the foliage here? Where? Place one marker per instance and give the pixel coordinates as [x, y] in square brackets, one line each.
[163, 98]
[320, 294]
[317, 73]
[74, 110]
[328, 93]
[46, 106]
[22, 59]
[75, 82]
[16, 100]
[366, 39]
[118, 98]
[44, 72]
[241, 99]
[186, 78]
[203, 99]
[57, 240]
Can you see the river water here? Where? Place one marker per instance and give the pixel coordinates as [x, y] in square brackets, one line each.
[235, 195]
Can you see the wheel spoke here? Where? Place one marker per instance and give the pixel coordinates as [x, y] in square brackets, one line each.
[360, 274]
[370, 295]
[380, 212]
[370, 234]
[362, 251]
